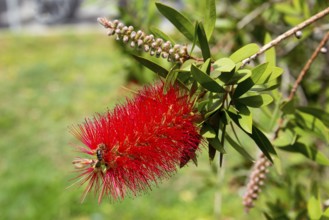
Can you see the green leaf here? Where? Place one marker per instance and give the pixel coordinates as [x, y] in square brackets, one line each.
[211, 152]
[170, 79]
[292, 20]
[306, 11]
[258, 137]
[244, 52]
[256, 101]
[325, 215]
[262, 142]
[206, 66]
[314, 206]
[210, 17]
[205, 80]
[310, 123]
[271, 73]
[224, 65]
[242, 88]
[158, 33]
[270, 55]
[247, 84]
[215, 143]
[207, 131]
[277, 164]
[245, 117]
[297, 5]
[258, 71]
[276, 72]
[195, 38]
[203, 41]
[238, 148]
[286, 9]
[309, 152]
[238, 76]
[213, 108]
[152, 66]
[288, 107]
[286, 137]
[186, 66]
[317, 113]
[202, 105]
[183, 24]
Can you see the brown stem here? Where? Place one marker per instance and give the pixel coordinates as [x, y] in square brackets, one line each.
[287, 34]
[307, 66]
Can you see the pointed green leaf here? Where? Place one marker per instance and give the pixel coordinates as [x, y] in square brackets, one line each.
[312, 124]
[325, 215]
[152, 66]
[258, 137]
[158, 33]
[244, 52]
[258, 71]
[286, 137]
[224, 65]
[277, 164]
[183, 24]
[262, 142]
[288, 107]
[170, 79]
[242, 88]
[270, 56]
[238, 148]
[314, 206]
[211, 152]
[238, 76]
[276, 72]
[247, 84]
[210, 17]
[286, 9]
[215, 143]
[202, 105]
[309, 152]
[245, 117]
[195, 37]
[204, 46]
[213, 108]
[207, 131]
[206, 66]
[205, 80]
[317, 113]
[271, 73]
[256, 101]
[292, 20]
[306, 11]
[186, 66]
[297, 5]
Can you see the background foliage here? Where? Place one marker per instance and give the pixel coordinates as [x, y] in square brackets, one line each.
[45, 88]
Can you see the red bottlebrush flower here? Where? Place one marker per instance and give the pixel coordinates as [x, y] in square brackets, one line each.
[137, 144]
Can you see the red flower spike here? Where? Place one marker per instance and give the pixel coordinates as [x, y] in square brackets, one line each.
[137, 144]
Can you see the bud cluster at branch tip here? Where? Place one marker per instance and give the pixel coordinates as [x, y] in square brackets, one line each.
[154, 46]
[256, 180]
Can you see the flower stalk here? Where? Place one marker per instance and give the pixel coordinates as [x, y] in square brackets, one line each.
[150, 44]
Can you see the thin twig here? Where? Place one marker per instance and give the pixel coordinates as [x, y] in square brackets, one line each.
[300, 78]
[287, 34]
[307, 66]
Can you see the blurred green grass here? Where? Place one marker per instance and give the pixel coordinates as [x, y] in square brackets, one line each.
[48, 83]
